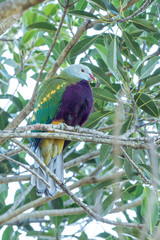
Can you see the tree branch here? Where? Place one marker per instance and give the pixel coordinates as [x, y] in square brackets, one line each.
[66, 212]
[68, 48]
[11, 7]
[6, 180]
[51, 213]
[72, 134]
[140, 10]
[76, 200]
[25, 167]
[5, 24]
[135, 203]
[67, 165]
[65, 189]
[30, 105]
[22, 198]
[54, 41]
[11, 153]
[147, 181]
[40, 201]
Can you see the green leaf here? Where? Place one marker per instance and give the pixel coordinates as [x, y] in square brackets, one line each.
[50, 9]
[8, 233]
[150, 207]
[102, 51]
[95, 117]
[112, 55]
[3, 118]
[148, 68]
[109, 202]
[99, 26]
[104, 5]
[104, 152]
[16, 101]
[100, 74]
[132, 44]
[43, 26]
[83, 45]
[104, 95]
[40, 41]
[43, 234]
[157, 96]
[107, 236]
[28, 36]
[152, 81]
[81, 4]
[82, 14]
[146, 104]
[148, 168]
[83, 236]
[111, 7]
[11, 62]
[145, 25]
[122, 72]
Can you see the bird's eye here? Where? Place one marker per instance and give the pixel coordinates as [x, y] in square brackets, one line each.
[82, 70]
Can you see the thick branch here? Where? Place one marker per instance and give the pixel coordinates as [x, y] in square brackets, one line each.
[5, 24]
[83, 134]
[51, 213]
[69, 211]
[11, 7]
[6, 180]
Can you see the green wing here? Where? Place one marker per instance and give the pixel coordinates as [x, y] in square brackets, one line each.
[48, 100]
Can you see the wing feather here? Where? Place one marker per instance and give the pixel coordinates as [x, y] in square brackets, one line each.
[48, 102]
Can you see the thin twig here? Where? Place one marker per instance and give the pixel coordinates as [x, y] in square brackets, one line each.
[54, 41]
[6, 40]
[38, 202]
[54, 213]
[135, 167]
[5, 180]
[136, 13]
[81, 159]
[74, 198]
[135, 203]
[22, 197]
[135, 118]
[24, 166]
[11, 153]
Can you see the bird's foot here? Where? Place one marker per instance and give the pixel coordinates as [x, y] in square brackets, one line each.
[77, 128]
[63, 126]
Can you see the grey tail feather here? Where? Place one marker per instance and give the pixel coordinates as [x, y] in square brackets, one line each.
[56, 166]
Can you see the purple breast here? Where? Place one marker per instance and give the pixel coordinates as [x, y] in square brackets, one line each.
[77, 104]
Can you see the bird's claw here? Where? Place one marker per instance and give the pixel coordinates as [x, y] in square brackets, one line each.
[63, 126]
[77, 128]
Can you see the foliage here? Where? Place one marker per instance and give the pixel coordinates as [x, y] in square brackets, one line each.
[124, 57]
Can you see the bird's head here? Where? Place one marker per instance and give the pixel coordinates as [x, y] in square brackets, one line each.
[77, 72]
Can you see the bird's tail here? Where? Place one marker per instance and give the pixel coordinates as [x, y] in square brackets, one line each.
[56, 166]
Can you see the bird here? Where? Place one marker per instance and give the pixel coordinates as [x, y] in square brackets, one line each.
[66, 98]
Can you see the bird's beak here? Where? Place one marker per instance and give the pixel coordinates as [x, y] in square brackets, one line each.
[92, 78]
